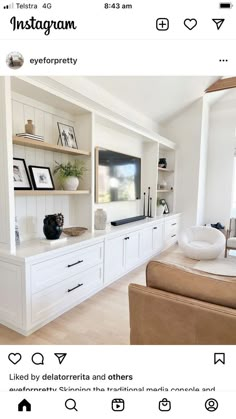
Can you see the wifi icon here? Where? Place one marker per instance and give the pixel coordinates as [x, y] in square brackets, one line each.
[9, 6]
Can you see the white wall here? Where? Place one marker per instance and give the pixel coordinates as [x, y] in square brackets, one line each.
[185, 130]
[203, 163]
[111, 136]
[7, 231]
[222, 142]
[100, 99]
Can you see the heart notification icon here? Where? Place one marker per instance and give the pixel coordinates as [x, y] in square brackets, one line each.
[14, 358]
[190, 23]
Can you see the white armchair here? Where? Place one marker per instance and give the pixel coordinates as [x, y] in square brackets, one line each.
[202, 243]
[231, 237]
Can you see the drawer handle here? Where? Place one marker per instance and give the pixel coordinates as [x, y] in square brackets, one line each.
[126, 238]
[76, 263]
[174, 224]
[154, 228]
[72, 289]
[174, 235]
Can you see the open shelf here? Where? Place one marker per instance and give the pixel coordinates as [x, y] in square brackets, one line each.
[164, 190]
[161, 169]
[53, 192]
[49, 147]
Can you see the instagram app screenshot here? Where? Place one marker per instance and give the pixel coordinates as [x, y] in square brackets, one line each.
[117, 209]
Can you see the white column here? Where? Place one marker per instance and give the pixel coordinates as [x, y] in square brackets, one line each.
[7, 212]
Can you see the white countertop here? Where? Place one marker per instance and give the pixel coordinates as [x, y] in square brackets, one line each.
[38, 247]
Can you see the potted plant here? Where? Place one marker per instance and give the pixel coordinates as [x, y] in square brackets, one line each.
[160, 207]
[69, 174]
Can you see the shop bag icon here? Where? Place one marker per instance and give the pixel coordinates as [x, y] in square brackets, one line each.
[164, 405]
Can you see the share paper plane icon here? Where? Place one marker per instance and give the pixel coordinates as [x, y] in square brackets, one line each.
[60, 357]
[218, 22]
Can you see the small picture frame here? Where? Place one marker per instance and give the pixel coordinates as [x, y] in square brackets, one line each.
[41, 178]
[67, 135]
[164, 204]
[21, 177]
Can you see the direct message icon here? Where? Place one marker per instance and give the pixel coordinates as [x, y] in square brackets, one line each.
[164, 405]
[60, 357]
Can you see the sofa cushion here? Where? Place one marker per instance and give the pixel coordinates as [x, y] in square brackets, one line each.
[192, 283]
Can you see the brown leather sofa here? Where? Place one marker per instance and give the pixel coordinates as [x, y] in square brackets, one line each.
[182, 306]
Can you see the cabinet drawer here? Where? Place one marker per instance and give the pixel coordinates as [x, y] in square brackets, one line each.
[171, 229]
[53, 271]
[68, 293]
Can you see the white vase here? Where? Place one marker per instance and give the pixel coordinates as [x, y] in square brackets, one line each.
[100, 219]
[160, 210]
[70, 183]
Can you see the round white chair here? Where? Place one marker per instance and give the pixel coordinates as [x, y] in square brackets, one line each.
[202, 243]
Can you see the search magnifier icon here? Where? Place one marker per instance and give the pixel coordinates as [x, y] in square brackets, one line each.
[71, 404]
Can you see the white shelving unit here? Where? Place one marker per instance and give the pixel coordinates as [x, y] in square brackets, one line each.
[166, 177]
[46, 109]
[29, 98]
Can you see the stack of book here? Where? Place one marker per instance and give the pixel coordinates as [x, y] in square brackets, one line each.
[31, 136]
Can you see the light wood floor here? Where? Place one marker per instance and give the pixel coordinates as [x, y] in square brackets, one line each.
[101, 320]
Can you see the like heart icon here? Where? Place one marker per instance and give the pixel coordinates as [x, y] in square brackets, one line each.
[190, 23]
[14, 358]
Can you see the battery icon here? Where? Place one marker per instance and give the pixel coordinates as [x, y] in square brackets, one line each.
[226, 5]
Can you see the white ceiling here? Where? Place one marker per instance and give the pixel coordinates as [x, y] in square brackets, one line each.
[158, 98]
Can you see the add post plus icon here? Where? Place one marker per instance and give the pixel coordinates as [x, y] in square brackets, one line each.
[162, 24]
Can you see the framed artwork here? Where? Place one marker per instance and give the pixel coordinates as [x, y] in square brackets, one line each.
[164, 204]
[21, 177]
[67, 135]
[41, 178]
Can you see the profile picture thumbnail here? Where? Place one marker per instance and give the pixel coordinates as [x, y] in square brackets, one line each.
[15, 60]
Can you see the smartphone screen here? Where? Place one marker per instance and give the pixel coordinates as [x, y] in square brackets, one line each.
[117, 209]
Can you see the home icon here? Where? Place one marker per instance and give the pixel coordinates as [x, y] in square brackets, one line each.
[24, 405]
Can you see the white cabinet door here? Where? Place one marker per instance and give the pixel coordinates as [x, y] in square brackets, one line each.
[114, 259]
[11, 294]
[132, 250]
[146, 248]
[158, 238]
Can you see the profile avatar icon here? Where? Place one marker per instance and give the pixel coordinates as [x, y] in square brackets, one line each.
[211, 405]
[15, 60]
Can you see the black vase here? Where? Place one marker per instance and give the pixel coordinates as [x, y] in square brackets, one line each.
[52, 226]
[162, 163]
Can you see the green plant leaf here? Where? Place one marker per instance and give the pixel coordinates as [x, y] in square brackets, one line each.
[76, 169]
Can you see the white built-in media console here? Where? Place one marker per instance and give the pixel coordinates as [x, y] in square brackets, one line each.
[40, 281]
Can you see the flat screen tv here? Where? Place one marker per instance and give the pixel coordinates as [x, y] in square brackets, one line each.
[118, 176]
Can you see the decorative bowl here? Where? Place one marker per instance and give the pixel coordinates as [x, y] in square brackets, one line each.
[74, 231]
